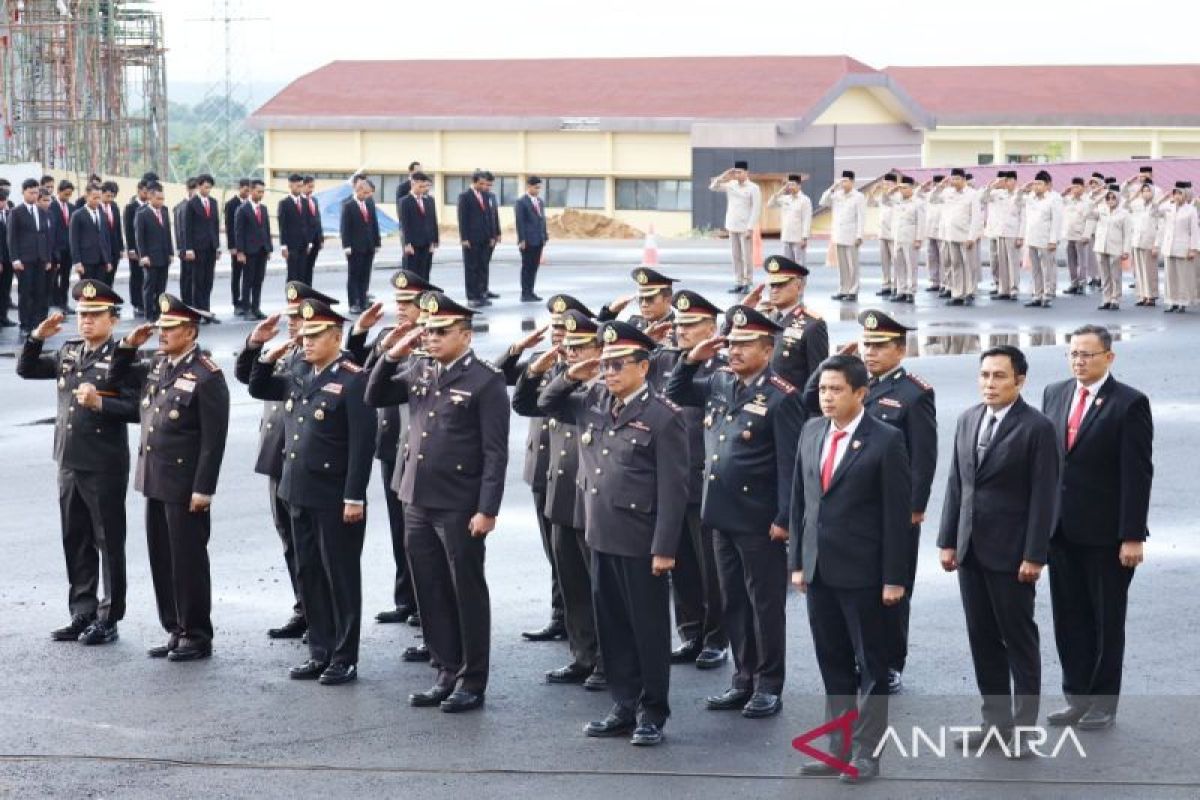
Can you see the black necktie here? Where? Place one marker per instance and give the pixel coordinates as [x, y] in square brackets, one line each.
[989, 429]
[617, 407]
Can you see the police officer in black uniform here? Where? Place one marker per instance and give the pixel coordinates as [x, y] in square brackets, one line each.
[451, 486]
[563, 504]
[804, 341]
[653, 298]
[752, 422]
[270, 437]
[329, 434]
[633, 461]
[185, 417]
[91, 446]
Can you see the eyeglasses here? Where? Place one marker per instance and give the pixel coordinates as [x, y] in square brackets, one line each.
[1079, 355]
[615, 364]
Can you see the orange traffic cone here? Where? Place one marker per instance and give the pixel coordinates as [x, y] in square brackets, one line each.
[650, 249]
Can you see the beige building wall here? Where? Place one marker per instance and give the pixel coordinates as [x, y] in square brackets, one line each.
[950, 145]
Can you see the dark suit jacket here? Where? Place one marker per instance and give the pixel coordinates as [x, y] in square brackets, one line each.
[61, 231]
[475, 221]
[358, 234]
[153, 239]
[177, 219]
[1106, 476]
[294, 231]
[316, 230]
[1003, 509]
[115, 230]
[418, 229]
[200, 231]
[252, 236]
[129, 221]
[531, 226]
[5, 216]
[89, 241]
[402, 191]
[857, 534]
[26, 242]
[231, 207]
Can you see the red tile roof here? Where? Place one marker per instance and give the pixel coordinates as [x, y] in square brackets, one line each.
[759, 87]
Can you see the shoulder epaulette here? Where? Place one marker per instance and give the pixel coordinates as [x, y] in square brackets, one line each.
[782, 385]
[919, 381]
[666, 401]
[808, 312]
[725, 368]
[489, 365]
[209, 364]
[351, 366]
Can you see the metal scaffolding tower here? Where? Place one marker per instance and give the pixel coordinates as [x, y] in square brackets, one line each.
[83, 85]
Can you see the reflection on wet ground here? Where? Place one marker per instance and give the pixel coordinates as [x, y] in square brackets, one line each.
[968, 338]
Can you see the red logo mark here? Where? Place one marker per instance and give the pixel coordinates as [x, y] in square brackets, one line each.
[844, 723]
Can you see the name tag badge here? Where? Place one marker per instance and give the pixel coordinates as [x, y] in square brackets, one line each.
[185, 385]
[639, 425]
[755, 408]
[887, 401]
[332, 388]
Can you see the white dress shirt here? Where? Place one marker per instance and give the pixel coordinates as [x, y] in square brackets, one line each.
[843, 443]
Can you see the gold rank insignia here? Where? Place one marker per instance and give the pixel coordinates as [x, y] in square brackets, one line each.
[610, 335]
[318, 415]
[570, 324]
[174, 414]
[89, 291]
[871, 322]
[307, 311]
[292, 293]
[642, 277]
[683, 304]
[772, 266]
[559, 306]
[739, 318]
[760, 399]
[164, 304]
[288, 405]
[431, 305]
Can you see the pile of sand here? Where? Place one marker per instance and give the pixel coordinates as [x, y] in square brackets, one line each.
[574, 224]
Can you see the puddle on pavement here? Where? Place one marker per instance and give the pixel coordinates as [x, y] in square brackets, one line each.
[962, 338]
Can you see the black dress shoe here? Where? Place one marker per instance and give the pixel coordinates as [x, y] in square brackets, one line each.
[1034, 304]
[956, 301]
[72, 630]
[571, 673]
[1096, 719]
[530, 298]
[460, 701]
[817, 769]
[613, 725]
[1065, 716]
[895, 682]
[736, 289]
[294, 628]
[838, 296]
[646, 735]
[337, 673]
[414, 619]
[418, 652]
[867, 769]
[944, 293]
[762, 704]
[190, 651]
[100, 632]
[729, 700]
[884, 293]
[928, 289]
[596, 682]
[711, 658]
[908, 298]
[430, 697]
[397, 614]
[850, 298]
[308, 671]
[494, 296]
[163, 650]
[555, 630]
[686, 652]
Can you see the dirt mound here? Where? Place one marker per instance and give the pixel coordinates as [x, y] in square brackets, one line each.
[575, 224]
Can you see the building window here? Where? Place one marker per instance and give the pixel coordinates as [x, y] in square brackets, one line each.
[984, 159]
[1029, 158]
[575, 192]
[506, 188]
[654, 195]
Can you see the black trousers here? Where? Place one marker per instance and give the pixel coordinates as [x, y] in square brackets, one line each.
[255, 269]
[154, 283]
[92, 506]
[60, 281]
[452, 594]
[1089, 594]
[420, 260]
[476, 259]
[236, 282]
[297, 257]
[486, 276]
[6, 282]
[633, 622]
[358, 277]
[33, 298]
[177, 541]
[402, 591]
[546, 529]
[203, 274]
[847, 629]
[310, 262]
[531, 259]
[696, 585]
[1004, 643]
[329, 571]
[136, 279]
[897, 616]
[572, 559]
[186, 283]
[283, 526]
[754, 581]
[96, 272]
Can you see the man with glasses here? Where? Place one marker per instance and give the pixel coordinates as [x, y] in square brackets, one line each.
[654, 303]
[633, 457]
[1106, 434]
[451, 486]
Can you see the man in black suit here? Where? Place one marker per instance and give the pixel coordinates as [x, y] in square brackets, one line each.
[6, 267]
[405, 189]
[419, 227]
[179, 220]
[252, 235]
[999, 511]
[851, 495]
[235, 276]
[29, 249]
[478, 236]
[531, 236]
[152, 233]
[295, 235]
[202, 242]
[60, 245]
[1107, 434]
[360, 242]
[137, 275]
[91, 255]
[110, 214]
[493, 203]
[316, 229]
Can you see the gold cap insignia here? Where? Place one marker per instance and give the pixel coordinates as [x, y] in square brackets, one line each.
[571, 324]
[164, 304]
[739, 318]
[308, 311]
[401, 281]
[292, 293]
[89, 290]
[431, 305]
[683, 304]
[871, 322]
[772, 266]
[642, 277]
[559, 306]
[610, 335]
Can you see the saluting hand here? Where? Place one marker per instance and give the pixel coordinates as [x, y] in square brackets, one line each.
[848, 349]
[754, 297]
[139, 335]
[659, 330]
[706, 349]
[280, 350]
[395, 334]
[585, 370]
[265, 331]
[545, 361]
[618, 305]
[370, 317]
[49, 326]
[530, 340]
[661, 565]
[405, 345]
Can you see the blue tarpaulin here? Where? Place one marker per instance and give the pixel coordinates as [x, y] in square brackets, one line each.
[331, 201]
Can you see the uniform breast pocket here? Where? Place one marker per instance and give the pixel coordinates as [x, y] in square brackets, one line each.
[633, 448]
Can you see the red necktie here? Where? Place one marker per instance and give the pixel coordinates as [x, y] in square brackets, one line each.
[299, 205]
[537, 207]
[1076, 418]
[479, 197]
[204, 202]
[421, 205]
[827, 467]
[63, 207]
[362, 207]
[108, 213]
[258, 214]
[158, 216]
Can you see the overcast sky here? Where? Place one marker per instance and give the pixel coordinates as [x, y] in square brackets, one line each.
[297, 36]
